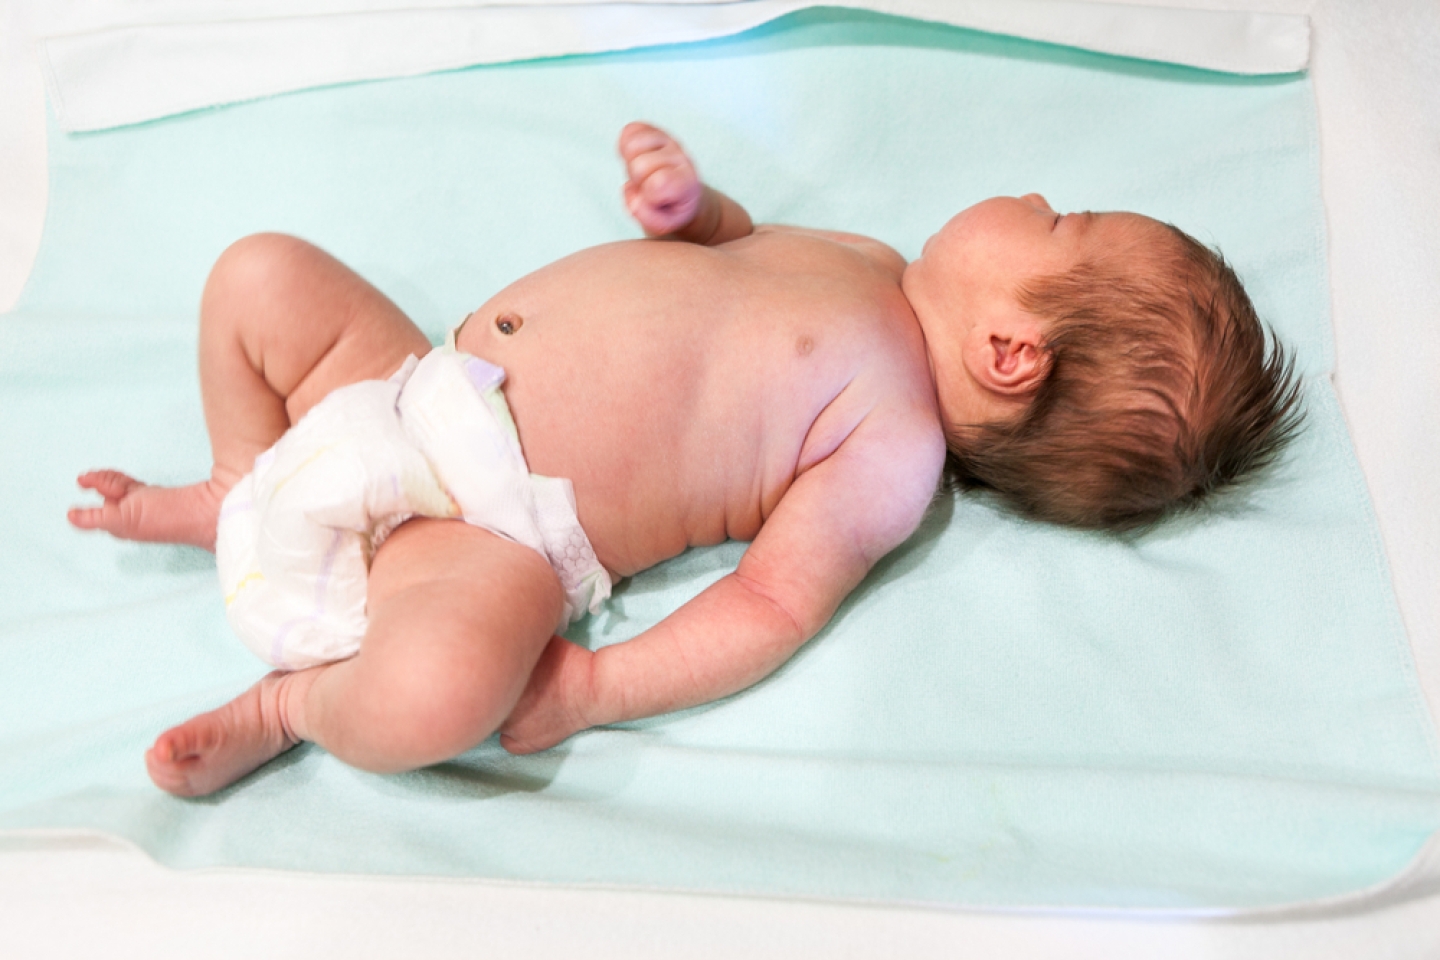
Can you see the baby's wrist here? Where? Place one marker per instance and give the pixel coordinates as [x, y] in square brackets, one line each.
[595, 701]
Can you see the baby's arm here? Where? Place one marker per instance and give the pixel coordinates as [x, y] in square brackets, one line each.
[665, 195]
[832, 525]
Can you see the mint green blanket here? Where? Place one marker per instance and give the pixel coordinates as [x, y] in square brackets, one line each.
[1220, 713]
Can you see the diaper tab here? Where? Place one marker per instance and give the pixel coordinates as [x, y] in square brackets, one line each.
[586, 582]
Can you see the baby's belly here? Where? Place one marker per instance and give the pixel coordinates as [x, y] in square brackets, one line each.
[674, 386]
[654, 471]
[662, 455]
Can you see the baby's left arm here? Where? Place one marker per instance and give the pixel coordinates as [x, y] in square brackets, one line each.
[665, 195]
[835, 521]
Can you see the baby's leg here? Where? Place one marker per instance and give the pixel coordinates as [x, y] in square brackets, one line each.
[282, 323]
[458, 619]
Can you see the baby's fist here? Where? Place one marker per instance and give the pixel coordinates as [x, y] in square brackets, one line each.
[552, 707]
[663, 193]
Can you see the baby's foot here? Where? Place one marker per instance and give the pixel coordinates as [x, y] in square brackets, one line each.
[215, 749]
[138, 511]
[664, 191]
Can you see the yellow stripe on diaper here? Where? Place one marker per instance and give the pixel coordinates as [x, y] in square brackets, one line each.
[301, 468]
[245, 581]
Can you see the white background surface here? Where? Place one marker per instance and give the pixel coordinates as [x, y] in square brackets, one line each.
[1377, 78]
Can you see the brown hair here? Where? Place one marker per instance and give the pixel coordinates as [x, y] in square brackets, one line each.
[1163, 387]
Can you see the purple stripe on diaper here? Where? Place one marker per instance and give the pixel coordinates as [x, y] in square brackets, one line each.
[323, 580]
[231, 509]
[277, 646]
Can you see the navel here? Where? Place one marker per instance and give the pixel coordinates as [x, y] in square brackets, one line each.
[507, 323]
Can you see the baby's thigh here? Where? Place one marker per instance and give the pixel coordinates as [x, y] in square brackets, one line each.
[458, 618]
[309, 323]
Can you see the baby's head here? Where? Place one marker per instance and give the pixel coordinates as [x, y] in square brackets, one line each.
[1095, 369]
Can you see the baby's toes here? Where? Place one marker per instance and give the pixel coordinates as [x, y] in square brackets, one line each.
[110, 484]
[173, 774]
[113, 517]
[85, 518]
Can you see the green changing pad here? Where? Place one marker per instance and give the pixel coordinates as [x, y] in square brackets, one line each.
[1219, 714]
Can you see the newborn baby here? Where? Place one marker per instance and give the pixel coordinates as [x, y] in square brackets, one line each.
[795, 388]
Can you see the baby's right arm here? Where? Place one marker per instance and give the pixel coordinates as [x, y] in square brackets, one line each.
[832, 524]
[665, 195]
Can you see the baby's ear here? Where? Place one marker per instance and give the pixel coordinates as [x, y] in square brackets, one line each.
[1012, 360]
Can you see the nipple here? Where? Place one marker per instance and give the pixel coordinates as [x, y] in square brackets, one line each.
[508, 323]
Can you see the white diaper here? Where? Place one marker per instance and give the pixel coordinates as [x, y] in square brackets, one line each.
[435, 440]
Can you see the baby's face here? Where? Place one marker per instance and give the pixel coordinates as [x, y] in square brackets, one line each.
[965, 284]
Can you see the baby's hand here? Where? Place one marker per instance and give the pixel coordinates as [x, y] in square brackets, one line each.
[664, 191]
[551, 708]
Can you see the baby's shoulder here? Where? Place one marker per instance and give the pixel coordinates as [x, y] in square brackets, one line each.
[880, 255]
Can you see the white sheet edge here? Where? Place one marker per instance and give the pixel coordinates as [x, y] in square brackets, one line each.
[1418, 880]
[130, 74]
[24, 178]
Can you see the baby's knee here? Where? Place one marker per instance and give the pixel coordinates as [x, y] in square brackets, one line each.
[425, 714]
[255, 265]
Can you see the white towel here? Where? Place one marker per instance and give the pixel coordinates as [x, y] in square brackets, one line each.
[191, 56]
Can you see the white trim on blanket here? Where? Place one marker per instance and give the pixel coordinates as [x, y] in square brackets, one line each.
[130, 73]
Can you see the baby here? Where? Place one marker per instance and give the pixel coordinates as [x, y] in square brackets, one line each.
[798, 389]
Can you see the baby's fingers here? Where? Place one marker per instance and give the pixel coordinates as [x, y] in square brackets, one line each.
[637, 138]
[670, 188]
[547, 712]
[651, 162]
[662, 216]
[665, 200]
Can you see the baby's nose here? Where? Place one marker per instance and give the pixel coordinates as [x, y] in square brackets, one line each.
[1036, 200]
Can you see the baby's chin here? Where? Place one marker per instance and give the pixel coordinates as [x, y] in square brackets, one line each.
[910, 283]
[959, 220]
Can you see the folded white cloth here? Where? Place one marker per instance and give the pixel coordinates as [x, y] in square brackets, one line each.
[296, 535]
[189, 57]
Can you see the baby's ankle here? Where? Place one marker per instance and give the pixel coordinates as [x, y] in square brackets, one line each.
[282, 702]
[219, 484]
